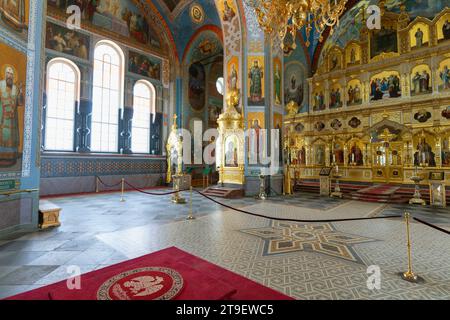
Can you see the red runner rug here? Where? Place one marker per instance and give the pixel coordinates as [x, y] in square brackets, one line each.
[167, 274]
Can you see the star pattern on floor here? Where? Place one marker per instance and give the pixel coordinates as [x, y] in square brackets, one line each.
[287, 237]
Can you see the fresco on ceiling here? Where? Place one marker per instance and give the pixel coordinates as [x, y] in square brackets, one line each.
[13, 66]
[144, 65]
[352, 21]
[67, 41]
[14, 17]
[120, 17]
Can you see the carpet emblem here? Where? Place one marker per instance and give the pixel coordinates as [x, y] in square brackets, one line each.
[149, 283]
[286, 237]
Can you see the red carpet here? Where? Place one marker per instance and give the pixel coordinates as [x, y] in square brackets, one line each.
[167, 274]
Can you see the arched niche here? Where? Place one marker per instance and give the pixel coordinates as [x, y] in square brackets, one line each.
[419, 34]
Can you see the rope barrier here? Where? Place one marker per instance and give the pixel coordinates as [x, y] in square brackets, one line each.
[107, 185]
[292, 220]
[255, 214]
[432, 226]
[153, 193]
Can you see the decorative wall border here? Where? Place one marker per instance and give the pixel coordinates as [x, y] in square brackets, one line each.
[29, 50]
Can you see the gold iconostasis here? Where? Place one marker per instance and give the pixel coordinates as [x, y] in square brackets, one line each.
[380, 106]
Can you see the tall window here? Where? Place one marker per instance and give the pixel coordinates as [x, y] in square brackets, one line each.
[107, 96]
[63, 78]
[143, 107]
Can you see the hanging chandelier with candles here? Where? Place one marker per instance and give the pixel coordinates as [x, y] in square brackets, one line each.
[286, 17]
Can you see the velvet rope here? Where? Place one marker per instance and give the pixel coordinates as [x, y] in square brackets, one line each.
[432, 226]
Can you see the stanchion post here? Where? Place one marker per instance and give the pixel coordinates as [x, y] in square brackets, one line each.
[122, 198]
[409, 275]
[96, 184]
[190, 216]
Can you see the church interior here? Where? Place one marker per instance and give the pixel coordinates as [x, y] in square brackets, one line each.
[224, 150]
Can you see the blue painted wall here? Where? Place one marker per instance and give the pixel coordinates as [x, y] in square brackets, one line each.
[20, 211]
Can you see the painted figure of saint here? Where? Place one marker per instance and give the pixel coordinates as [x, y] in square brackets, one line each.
[233, 78]
[320, 155]
[419, 38]
[416, 83]
[445, 76]
[228, 13]
[446, 30]
[424, 82]
[255, 137]
[231, 155]
[355, 156]
[11, 97]
[424, 154]
[353, 56]
[277, 84]
[294, 92]
[13, 12]
[256, 76]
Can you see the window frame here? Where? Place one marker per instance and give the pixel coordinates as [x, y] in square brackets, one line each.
[77, 84]
[121, 92]
[152, 113]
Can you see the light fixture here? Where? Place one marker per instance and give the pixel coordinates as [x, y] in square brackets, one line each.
[288, 16]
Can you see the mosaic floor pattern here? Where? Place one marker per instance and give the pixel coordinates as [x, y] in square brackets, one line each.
[98, 230]
[284, 237]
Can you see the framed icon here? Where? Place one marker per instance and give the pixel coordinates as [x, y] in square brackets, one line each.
[438, 194]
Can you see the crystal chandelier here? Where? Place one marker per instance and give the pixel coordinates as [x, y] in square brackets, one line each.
[287, 16]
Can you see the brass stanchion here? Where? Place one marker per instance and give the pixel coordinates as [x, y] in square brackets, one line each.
[190, 216]
[122, 199]
[96, 184]
[409, 275]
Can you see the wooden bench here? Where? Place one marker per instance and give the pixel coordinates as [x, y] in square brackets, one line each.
[48, 214]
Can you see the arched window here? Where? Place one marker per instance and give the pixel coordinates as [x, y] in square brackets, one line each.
[63, 82]
[143, 106]
[107, 96]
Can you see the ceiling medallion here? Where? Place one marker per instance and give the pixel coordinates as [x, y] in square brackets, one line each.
[197, 14]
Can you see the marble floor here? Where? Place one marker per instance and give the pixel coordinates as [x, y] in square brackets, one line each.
[303, 260]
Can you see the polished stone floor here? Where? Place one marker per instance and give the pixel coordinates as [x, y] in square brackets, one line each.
[326, 260]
